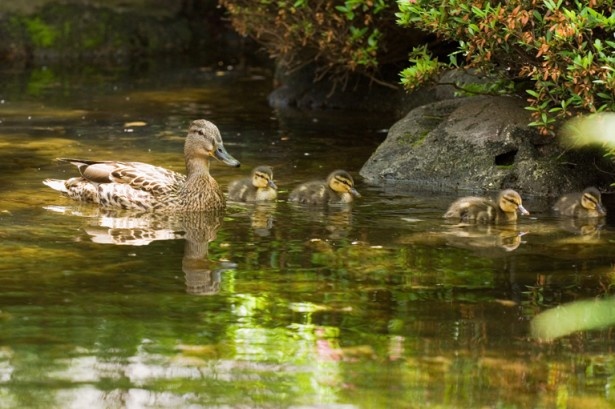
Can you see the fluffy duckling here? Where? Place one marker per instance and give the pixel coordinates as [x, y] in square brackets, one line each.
[585, 204]
[257, 188]
[338, 188]
[485, 210]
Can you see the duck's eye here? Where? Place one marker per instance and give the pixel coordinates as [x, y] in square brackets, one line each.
[591, 199]
[512, 201]
[344, 182]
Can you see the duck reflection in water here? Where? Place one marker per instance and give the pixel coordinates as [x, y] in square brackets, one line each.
[485, 237]
[261, 215]
[586, 230]
[337, 219]
[198, 229]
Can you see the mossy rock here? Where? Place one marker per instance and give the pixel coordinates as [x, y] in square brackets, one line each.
[481, 143]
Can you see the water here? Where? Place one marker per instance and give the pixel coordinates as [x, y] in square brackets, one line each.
[377, 305]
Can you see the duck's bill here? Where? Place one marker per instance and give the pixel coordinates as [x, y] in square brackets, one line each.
[272, 185]
[523, 211]
[354, 192]
[601, 209]
[222, 155]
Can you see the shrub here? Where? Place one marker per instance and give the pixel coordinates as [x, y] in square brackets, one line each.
[341, 37]
[563, 52]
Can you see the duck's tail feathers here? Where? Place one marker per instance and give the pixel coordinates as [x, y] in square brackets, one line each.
[56, 184]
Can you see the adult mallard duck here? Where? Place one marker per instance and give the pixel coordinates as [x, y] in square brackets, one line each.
[485, 210]
[140, 186]
[585, 204]
[259, 187]
[338, 188]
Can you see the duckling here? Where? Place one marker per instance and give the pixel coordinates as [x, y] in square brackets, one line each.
[485, 210]
[257, 188]
[585, 204]
[338, 188]
[144, 187]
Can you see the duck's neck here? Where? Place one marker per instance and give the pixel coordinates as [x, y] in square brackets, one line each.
[338, 197]
[197, 167]
[199, 179]
[507, 216]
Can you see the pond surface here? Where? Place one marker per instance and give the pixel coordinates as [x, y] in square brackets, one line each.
[376, 305]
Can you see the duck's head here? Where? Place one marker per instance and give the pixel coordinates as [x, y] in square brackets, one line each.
[592, 200]
[340, 181]
[262, 177]
[204, 141]
[510, 202]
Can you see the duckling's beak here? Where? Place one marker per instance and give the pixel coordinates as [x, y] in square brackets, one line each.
[601, 209]
[222, 155]
[523, 211]
[272, 184]
[354, 192]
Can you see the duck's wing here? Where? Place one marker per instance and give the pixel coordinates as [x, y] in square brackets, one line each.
[311, 193]
[241, 190]
[149, 178]
[567, 204]
[137, 175]
[468, 207]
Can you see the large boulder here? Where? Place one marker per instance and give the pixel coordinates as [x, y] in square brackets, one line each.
[481, 143]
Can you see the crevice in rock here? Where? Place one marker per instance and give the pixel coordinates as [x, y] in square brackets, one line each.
[506, 158]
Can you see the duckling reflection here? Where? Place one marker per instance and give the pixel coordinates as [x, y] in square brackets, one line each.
[582, 205]
[485, 237]
[588, 229]
[485, 210]
[261, 219]
[261, 216]
[336, 219]
[198, 229]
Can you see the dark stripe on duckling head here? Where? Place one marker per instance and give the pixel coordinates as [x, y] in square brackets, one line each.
[342, 177]
[514, 199]
[266, 174]
[344, 181]
[592, 200]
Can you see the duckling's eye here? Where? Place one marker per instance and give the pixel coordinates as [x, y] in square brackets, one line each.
[591, 199]
[509, 200]
[344, 182]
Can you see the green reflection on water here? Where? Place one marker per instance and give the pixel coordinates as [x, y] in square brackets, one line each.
[379, 304]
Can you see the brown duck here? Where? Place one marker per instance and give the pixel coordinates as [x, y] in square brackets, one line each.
[140, 186]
